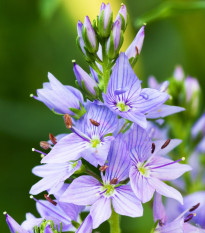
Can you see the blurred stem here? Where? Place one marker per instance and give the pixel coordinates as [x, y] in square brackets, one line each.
[167, 9]
[114, 222]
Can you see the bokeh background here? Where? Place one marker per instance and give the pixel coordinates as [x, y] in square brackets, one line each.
[37, 36]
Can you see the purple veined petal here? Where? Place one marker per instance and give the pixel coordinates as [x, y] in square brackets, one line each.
[125, 202]
[159, 209]
[67, 149]
[86, 226]
[118, 161]
[30, 222]
[139, 144]
[165, 189]
[136, 46]
[171, 145]
[199, 126]
[140, 185]
[178, 73]
[163, 111]
[13, 225]
[100, 211]
[149, 99]
[170, 172]
[84, 190]
[76, 92]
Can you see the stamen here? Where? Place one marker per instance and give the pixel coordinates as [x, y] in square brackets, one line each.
[166, 143]
[75, 131]
[52, 138]
[95, 123]
[68, 121]
[49, 199]
[137, 50]
[38, 151]
[189, 217]
[164, 165]
[103, 168]
[45, 145]
[153, 148]
[194, 207]
[114, 181]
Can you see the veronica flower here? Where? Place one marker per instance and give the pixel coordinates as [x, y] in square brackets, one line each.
[180, 223]
[125, 96]
[58, 97]
[149, 168]
[90, 138]
[87, 190]
[53, 176]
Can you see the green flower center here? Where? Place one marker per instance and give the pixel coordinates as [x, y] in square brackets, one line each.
[143, 170]
[95, 142]
[122, 106]
[109, 189]
[74, 164]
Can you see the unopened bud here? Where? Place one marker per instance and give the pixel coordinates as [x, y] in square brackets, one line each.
[103, 168]
[80, 41]
[45, 145]
[68, 121]
[52, 138]
[122, 16]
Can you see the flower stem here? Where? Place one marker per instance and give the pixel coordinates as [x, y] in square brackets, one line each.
[114, 222]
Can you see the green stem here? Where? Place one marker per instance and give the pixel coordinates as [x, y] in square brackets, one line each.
[114, 222]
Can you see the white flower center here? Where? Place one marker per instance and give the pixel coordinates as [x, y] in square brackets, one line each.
[122, 106]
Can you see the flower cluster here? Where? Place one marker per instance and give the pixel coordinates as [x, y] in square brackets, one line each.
[110, 161]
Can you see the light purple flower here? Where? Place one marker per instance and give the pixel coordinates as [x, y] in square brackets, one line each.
[80, 37]
[136, 46]
[14, 226]
[122, 13]
[84, 77]
[87, 140]
[53, 176]
[87, 190]
[125, 96]
[178, 73]
[58, 97]
[191, 87]
[149, 168]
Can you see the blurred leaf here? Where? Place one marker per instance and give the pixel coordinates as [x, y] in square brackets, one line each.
[48, 7]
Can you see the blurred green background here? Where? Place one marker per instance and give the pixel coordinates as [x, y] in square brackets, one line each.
[39, 36]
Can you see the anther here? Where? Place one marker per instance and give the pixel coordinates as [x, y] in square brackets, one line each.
[114, 181]
[189, 217]
[103, 168]
[95, 123]
[166, 143]
[137, 50]
[68, 121]
[52, 138]
[194, 207]
[153, 148]
[45, 145]
[49, 199]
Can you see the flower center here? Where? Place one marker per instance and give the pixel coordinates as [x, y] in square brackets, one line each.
[95, 142]
[108, 190]
[143, 170]
[122, 106]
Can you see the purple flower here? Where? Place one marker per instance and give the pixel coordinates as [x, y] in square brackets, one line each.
[13, 225]
[125, 96]
[87, 190]
[122, 16]
[82, 76]
[89, 36]
[136, 46]
[58, 97]
[89, 139]
[149, 168]
[105, 20]
[53, 176]
[80, 40]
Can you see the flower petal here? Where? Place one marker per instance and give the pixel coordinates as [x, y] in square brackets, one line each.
[159, 209]
[86, 226]
[125, 202]
[14, 226]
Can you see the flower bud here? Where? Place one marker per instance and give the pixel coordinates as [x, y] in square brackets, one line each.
[115, 40]
[89, 36]
[122, 16]
[80, 41]
[105, 20]
[178, 73]
[136, 46]
[84, 80]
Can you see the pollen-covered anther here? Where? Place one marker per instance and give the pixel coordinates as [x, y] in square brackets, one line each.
[68, 121]
[166, 143]
[153, 148]
[137, 50]
[103, 168]
[52, 138]
[45, 145]
[95, 123]
[194, 207]
[49, 199]
[114, 181]
[189, 217]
